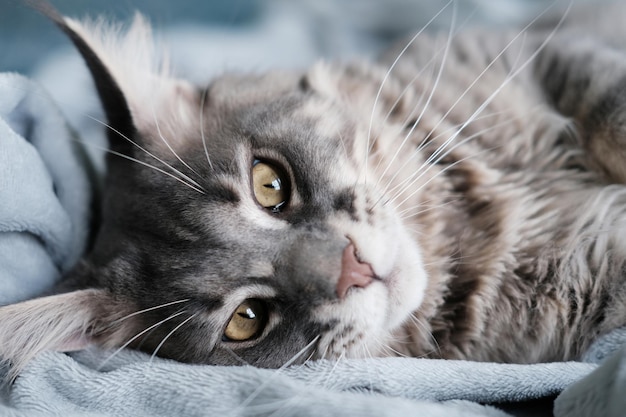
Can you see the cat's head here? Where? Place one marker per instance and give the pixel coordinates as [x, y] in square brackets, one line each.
[242, 221]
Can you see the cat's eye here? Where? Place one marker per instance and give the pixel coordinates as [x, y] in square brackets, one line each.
[247, 322]
[269, 185]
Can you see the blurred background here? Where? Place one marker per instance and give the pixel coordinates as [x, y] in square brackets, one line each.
[253, 34]
[209, 37]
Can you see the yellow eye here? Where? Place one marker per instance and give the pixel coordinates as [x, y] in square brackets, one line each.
[247, 322]
[269, 186]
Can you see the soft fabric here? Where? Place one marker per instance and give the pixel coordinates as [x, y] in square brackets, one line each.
[45, 191]
[603, 392]
[129, 383]
[44, 213]
[133, 384]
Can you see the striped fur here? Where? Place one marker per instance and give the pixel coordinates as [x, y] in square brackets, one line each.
[481, 176]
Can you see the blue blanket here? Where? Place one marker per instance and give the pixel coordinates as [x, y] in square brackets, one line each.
[131, 384]
[44, 215]
[45, 191]
[45, 194]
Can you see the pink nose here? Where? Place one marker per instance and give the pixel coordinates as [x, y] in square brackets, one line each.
[354, 273]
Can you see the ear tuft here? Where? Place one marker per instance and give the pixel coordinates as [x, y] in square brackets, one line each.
[64, 322]
[129, 54]
[121, 64]
[158, 104]
[133, 80]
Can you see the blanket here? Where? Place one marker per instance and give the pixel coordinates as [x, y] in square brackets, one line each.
[46, 189]
[44, 217]
[92, 383]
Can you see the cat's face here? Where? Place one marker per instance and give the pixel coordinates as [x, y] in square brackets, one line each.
[231, 243]
[242, 222]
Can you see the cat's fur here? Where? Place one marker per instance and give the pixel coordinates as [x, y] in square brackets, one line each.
[490, 205]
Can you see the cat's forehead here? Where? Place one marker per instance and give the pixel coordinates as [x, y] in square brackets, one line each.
[277, 97]
[272, 113]
[235, 90]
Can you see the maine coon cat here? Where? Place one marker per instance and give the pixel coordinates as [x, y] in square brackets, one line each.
[463, 197]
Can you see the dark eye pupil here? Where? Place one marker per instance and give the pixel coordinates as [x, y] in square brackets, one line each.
[269, 187]
[247, 322]
[274, 185]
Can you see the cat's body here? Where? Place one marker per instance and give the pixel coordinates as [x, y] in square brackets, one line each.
[524, 249]
[503, 245]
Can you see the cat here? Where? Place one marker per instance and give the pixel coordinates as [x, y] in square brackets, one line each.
[462, 197]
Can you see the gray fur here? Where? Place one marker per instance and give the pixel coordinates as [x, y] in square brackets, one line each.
[507, 248]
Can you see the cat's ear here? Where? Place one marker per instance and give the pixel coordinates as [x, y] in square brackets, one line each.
[64, 322]
[359, 85]
[133, 81]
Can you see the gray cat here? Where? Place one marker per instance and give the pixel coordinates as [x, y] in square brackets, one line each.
[461, 198]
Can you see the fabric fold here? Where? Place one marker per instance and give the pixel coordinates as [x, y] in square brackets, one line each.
[45, 191]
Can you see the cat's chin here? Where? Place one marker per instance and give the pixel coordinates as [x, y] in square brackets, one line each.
[361, 323]
[368, 317]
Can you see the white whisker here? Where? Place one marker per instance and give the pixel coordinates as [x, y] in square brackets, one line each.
[409, 212]
[197, 186]
[256, 392]
[417, 151]
[432, 91]
[170, 334]
[382, 84]
[202, 135]
[415, 77]
[156, 122]
[442, 171]
[489, 99]
[419, 323]
[130, 158]
[394, 352]
[241, 360]
[430, 162]
[138, 335]
[332, 370]
[507, 79]
[151, 309]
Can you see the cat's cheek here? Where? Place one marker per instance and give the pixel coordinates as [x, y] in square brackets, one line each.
[406, 284]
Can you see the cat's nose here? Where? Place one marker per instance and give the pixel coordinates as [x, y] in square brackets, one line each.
[354, 273]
